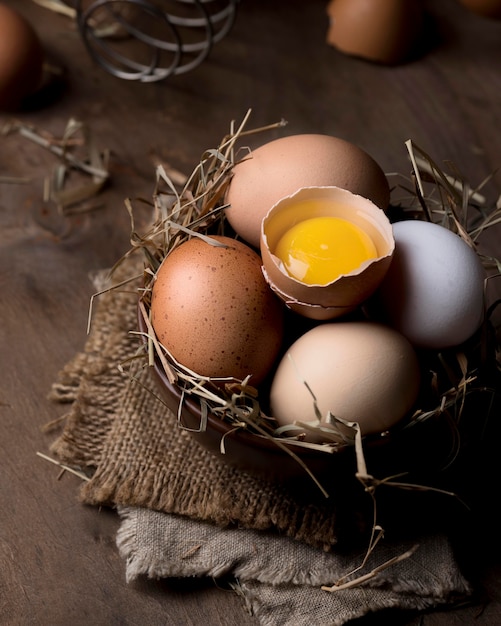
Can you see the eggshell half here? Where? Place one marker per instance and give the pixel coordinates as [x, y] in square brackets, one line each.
[322, 302]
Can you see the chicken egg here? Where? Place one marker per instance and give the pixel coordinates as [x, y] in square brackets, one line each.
[281, 167]
[383, 31]
[21, 59]
[433, 292]
[325, 250]
[213, 311]
[359, 371]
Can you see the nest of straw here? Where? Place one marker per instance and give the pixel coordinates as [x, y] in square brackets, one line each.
[195, 208]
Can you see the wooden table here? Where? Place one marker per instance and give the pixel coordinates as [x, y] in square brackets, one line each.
[59, 563]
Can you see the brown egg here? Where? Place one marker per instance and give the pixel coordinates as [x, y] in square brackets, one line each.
[21, 59]
[384, 31]
[281, 167]
[486, 8]
[212, 309]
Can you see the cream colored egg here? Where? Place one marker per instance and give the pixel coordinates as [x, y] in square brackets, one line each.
[359, 371]
[433, 292]
[281, 167]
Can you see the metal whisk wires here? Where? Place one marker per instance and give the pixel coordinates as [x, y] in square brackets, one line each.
[150, 41]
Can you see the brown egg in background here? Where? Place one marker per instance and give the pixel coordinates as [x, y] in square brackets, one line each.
[21, 59]
[382, 31]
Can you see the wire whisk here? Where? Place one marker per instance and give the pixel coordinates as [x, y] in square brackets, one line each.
[150, 41]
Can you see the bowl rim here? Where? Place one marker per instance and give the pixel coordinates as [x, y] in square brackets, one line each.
[224, 428]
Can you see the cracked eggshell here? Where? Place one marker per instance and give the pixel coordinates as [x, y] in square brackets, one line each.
[346, 293]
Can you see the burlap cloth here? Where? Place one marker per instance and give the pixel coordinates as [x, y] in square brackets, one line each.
[185, 512]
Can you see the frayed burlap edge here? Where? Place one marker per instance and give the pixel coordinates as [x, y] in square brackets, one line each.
[139, 456]
[92, 381]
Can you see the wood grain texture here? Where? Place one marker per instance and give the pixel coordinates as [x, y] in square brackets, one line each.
[58, 561]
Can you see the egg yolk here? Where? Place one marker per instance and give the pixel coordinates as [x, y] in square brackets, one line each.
[318, 250]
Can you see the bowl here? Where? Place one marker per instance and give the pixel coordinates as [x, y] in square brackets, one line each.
[414, 451]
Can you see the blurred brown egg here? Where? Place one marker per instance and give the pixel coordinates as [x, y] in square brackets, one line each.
[21, 59]
[281, 167]
[486, 8]
[383, 31]
[332, 295]
[213, 311]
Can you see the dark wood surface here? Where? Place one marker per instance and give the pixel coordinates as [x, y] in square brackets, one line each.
[59, 563]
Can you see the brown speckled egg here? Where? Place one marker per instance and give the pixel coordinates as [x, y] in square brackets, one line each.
[212, 309]
[21, 59]
[281, 167]
[383, 31]
[486, 8]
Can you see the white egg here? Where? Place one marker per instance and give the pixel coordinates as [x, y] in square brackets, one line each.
[433, 290]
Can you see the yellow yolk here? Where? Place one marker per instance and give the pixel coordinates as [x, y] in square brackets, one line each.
[317, 251]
